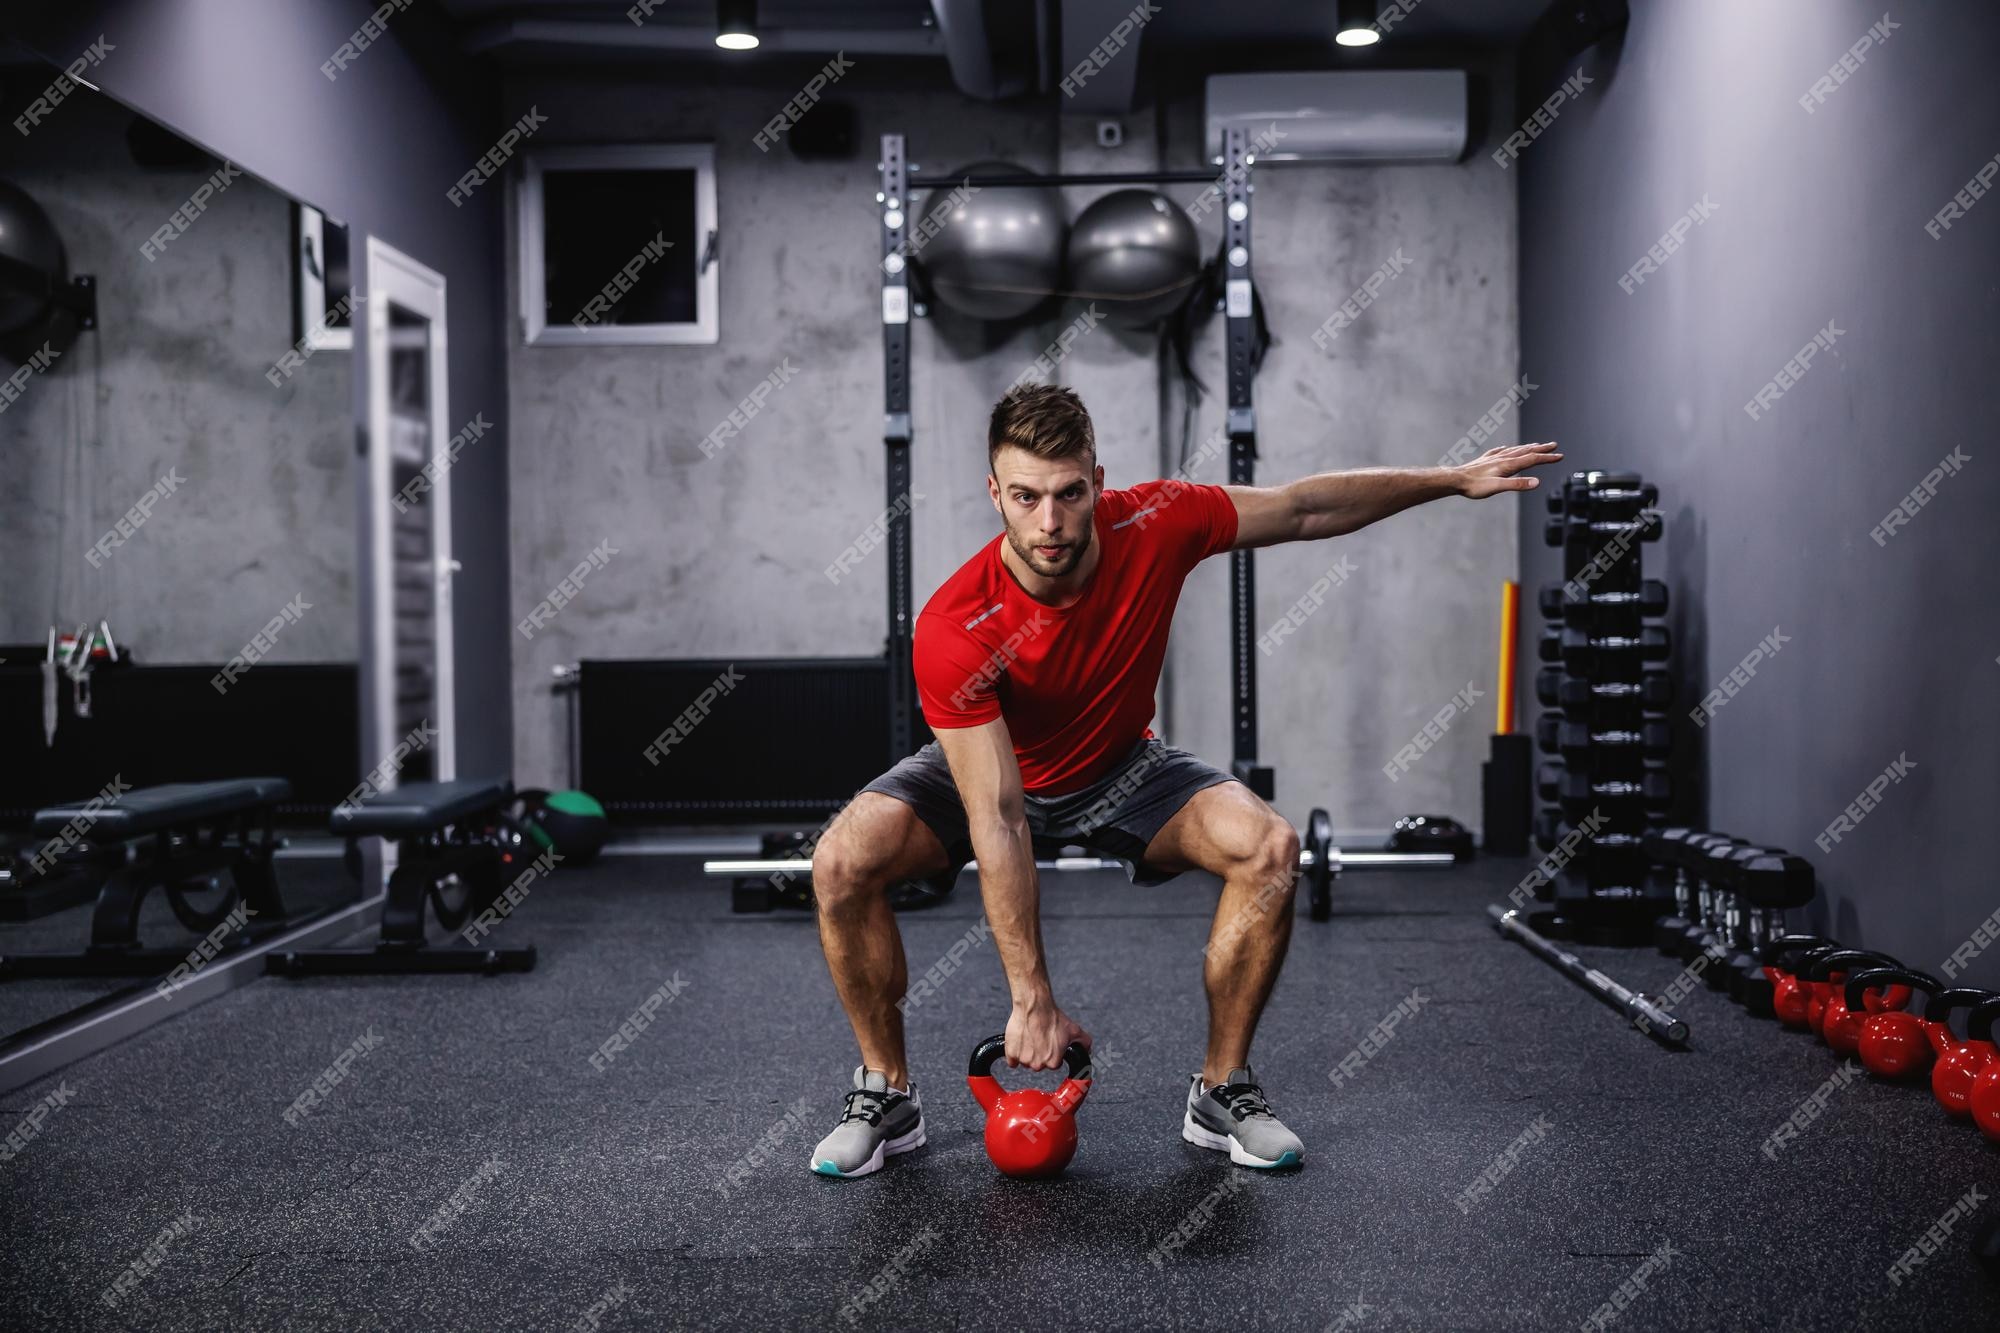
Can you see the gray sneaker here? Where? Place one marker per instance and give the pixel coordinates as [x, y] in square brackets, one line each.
[878, 1123]
[1233, 1117]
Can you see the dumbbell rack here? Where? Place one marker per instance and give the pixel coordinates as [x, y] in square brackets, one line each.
[1605, 735]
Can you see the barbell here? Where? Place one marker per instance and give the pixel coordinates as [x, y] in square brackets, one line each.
[1320, 861]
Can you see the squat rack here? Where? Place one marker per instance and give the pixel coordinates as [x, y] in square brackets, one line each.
[898, 177]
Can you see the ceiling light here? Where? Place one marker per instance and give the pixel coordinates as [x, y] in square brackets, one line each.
[1357, 24]
[736, 25]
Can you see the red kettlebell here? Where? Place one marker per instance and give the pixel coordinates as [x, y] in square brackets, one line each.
[1029, 1132]
[1983, 1100]
[1789, 995]
[1891, 1043]
[1820, 984]
[1829, 1014]
[1958, 1062]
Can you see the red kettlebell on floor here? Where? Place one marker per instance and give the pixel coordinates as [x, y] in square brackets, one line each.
[1984, 1098]
[1958, 1062]
[1829, 1014]
[1892, 1043]
[1789, 995]
[1819, 984]
[1029, 1132]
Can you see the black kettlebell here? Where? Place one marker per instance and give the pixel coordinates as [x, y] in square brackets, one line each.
[1431, 833]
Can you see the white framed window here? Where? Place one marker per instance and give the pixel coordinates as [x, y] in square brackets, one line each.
[617, 245]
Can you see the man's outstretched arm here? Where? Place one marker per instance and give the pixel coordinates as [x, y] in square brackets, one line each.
[1334, 503]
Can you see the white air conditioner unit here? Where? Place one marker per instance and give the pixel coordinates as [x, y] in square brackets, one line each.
[1416, 115]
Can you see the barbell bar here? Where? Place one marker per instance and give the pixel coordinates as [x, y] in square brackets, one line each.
[1320, 860]
[1340, 860]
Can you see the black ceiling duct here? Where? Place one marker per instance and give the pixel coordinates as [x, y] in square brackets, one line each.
[158, 148]
[1564, 31]
[994, 47]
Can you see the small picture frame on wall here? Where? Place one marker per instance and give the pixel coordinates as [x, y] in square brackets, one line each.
[323, 282]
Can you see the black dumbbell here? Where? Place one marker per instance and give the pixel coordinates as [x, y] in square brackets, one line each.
[1566, 601]
[1768, 886]
[1579, 650]
[1654, 690]
[1574, 526]
[1575, 792]
[1548, 728]
[1560, 600]
[1666, 847]
[1702, 912]
[1607, 491]
[1706, 859]
[1654, 789]
[1575, 739]
[1551, 829]
[1730, 937]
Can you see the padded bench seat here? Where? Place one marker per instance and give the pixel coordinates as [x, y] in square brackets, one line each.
[230, 848]
[416, 888]
[420, 807]
[146, 810]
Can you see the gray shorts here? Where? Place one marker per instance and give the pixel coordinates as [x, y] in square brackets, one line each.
[1117, 816]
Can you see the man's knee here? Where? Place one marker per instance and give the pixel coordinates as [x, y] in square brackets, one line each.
[1277, 859]
[845, 872]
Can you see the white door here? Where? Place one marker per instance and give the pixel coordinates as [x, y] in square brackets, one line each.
[407, 693]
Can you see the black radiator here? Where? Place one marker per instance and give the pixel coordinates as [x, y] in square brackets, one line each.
[155, 724]
[698, 741]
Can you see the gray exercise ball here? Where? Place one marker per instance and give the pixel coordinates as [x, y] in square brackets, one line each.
[29, 240]
[1135, 255]
[993, 252]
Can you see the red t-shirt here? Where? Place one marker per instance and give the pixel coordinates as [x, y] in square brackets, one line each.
[1074, 683]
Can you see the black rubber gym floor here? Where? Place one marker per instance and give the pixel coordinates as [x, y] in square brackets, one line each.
[609, 1194]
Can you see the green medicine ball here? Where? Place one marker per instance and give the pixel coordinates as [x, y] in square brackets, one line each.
[573, 823]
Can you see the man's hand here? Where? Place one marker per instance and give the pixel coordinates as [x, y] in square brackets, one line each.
[1038, 1033]
[1496, 470]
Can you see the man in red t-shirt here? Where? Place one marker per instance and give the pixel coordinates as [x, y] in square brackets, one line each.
[1036, 665]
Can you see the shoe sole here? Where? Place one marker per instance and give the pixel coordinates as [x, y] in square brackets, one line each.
[1207, 1138]
[887, 1148]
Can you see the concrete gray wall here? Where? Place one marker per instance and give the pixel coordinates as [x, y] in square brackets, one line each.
[724, 556]
[1416, 621]
[174, 378]
[1820, 216]
[377, 148]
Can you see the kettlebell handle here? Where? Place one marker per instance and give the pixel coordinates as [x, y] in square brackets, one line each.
[1881, 978]
[987, 1052]
[1824, 965]
[1938, 1008]
[1774, 951]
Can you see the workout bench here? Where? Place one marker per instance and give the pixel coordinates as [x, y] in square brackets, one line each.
[442, 831]
[197, 829]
